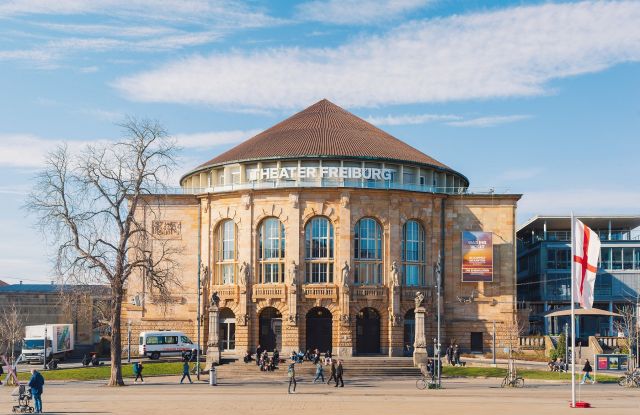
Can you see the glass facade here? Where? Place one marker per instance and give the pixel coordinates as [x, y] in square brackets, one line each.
[413, 253]
[271, 251]
[367, 238]
[319, 250]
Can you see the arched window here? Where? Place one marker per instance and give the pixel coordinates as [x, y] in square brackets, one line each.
[226, 253]
[318, 242]
[271, 251]
[413, 255]
[367, 252]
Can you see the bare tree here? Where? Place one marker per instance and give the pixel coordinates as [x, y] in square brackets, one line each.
[90, 204]
[510, 332]
[626, 324]
[12, 322]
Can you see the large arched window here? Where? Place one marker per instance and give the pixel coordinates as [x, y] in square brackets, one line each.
[271, 251]
[226, 253]
[367, 252]
[413, 255]
[318, 242]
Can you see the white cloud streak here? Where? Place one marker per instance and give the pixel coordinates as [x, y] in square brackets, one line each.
[507, 53]
[489, 121]
[409, 119]
[356, 11]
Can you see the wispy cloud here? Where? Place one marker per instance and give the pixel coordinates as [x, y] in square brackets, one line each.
[407, 119]
[356, 11]
[489, 121]
[505, 53]
[213, 138]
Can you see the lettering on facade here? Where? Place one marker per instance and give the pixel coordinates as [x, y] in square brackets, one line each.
[166, 229]
[313, 173]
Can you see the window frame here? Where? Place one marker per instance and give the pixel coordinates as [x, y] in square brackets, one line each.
[267, 261]
[368, 252]
[419, 262]
[319, 260]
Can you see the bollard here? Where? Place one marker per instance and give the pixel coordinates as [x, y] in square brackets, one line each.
[213, 381]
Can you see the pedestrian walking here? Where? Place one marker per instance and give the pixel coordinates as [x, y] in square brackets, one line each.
[137, 370]
[587, 369]
[185, 372]
[319, 372]
[258, 354]
[36, 384]
[449, 354]
[456, 355]
[333, 372]
[339, 372]
[291, 373]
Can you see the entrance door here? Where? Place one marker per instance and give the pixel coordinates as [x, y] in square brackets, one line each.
[368, 331]
[270, 329]
[319, 327]
[409, 332]
[476, 342]
[227, 330]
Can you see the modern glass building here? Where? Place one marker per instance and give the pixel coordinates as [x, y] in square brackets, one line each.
[544, 267]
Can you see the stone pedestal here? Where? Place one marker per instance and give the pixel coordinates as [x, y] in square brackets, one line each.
[420, 354]
[213, 343]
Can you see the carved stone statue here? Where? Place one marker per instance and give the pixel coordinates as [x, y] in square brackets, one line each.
[345, 319]
[419, 299]
[395, 274]
[346, 270]
[215, 300]
[245, 273]
[293, 273]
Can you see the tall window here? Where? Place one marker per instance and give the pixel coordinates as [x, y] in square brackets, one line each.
[226, 253]
[318, 241]
[367, 252]
[413, 255]
[271, 251]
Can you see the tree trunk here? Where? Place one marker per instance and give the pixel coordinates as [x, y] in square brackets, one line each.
[116, 343]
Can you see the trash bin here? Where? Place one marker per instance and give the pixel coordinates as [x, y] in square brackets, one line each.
[213, 381]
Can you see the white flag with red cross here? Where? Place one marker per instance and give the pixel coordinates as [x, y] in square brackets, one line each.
[586, 255]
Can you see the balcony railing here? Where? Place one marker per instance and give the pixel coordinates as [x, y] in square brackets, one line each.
[364, 292]
[269, 292]
[227, 292]
[322, 292]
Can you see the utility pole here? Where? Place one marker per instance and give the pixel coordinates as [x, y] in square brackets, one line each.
[128, 341]
[494, 344]
[438, 284]
[566, 344]
[44, 357]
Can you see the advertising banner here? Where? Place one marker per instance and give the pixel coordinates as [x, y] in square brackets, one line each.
[612, 362]
[477, 256]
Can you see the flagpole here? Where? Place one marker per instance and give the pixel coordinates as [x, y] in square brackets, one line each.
[573, 314]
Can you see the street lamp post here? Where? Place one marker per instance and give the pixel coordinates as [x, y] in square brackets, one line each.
[438, 284]
[494, 343]
[128, 341]
[44, 356]
[566, 344]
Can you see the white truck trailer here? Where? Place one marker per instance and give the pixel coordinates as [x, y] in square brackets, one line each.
[60, 341]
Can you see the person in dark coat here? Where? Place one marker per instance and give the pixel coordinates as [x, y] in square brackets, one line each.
[333, 372]
[185, 372]
[339, 372]
[587, 369]
[291, 373]
[449, 354]
[456, 355]
[258, 354]
[36, 384]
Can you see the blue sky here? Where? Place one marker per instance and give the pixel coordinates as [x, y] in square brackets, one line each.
[534, 97]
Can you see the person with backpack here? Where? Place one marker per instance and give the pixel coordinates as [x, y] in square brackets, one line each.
[587, 369]
[185, 372]
[36, 384]
[137, 370]
[291, 373]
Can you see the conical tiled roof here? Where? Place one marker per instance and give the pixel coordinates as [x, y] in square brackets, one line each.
[323, 130]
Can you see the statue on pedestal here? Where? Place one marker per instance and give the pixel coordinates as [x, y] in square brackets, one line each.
[346, 270]
[395, 274]
[419, 299]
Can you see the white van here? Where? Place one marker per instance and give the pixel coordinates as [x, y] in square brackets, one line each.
[164, 343]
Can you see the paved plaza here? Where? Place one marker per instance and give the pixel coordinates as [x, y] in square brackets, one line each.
[366, 397]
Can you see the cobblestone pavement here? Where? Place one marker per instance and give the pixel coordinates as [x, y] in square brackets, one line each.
[162, 395]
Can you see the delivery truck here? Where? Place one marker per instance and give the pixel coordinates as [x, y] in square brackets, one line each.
[59, 340]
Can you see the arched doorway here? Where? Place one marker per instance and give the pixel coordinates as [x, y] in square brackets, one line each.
[319, 329]
[368, 331]
[227, 330]
[409, 332]
[270, 329]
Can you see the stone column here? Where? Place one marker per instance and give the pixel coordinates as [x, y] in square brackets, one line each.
[420, 343]
[346, 327]
[213, 344]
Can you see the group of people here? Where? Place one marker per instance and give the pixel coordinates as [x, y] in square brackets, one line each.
[558, 365]
[453, 355]
[309, 356]
[337, 371]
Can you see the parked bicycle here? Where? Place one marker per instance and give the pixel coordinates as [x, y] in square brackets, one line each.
[425, 382]
[512, 381]
[630, 379]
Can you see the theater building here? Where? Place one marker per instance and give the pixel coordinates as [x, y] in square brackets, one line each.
[318, 232]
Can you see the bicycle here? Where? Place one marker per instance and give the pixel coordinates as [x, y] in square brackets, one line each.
[630, 379]
[425, 382]
[512, 381]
